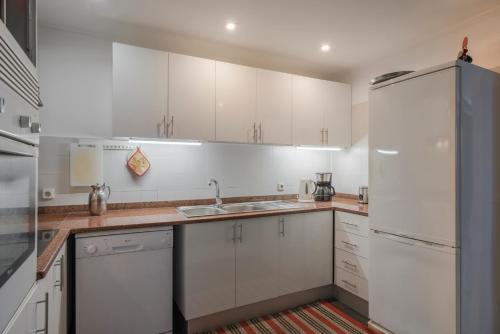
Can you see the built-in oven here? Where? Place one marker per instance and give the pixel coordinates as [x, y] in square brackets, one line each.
[18, 223]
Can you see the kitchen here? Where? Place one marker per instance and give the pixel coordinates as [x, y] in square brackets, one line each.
[199, 167]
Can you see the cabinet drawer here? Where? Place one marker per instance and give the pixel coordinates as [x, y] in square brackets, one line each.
[356, 265]
[352, 283]
[351, 243]
[349, 222]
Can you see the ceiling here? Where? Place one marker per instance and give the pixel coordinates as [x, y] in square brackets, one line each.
[357, 30]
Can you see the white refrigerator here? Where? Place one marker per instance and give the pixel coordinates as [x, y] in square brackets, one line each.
[434, 138]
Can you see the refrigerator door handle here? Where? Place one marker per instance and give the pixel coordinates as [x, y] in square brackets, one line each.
[407, 240]
[398, 238]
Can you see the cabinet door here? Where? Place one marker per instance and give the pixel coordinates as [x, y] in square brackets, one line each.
[292, 258]
[338, 117]
[257, 259]
[311, 99]
[208, 270]
[56, 282]
[25, 319]
[274, 107]
[191, 97]
[319, 249]
[236, 102]
[140, 90]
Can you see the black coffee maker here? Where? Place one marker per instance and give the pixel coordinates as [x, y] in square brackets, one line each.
[324, 190]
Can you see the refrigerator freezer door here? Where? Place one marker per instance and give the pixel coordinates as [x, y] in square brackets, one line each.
[412, 157]
[412, 286]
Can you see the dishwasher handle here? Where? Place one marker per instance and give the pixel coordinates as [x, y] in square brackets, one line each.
[127, 248]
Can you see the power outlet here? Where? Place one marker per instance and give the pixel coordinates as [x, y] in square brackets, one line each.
[280, 187]
[48, 193]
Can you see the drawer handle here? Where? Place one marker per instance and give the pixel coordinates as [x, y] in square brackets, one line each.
[350, 285]
[351, 225]
[349, 244]
[352, 266]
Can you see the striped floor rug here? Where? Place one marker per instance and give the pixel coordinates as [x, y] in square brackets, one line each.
[318, 318]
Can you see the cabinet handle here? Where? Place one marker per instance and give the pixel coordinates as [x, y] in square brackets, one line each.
[62, 273]
[254, 132]
[350, 265]
[241, 233]
[260, 132]
[350, 285]
[349, 244]
[234, 233]
[162, 126]
[282, 226]
[322, 136]
[351, 225]
[172, 126]
[60, 283]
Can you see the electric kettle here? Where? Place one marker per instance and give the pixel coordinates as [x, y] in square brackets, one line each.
[307, 188]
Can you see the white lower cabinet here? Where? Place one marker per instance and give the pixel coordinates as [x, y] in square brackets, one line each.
[56, 286]
[31, 315]
[351, 253]
[352, 283]
[318, 248]
[204, 281]
[292, 255]
[351, 263]
[44, 309]
[257, 260]
[227, 264]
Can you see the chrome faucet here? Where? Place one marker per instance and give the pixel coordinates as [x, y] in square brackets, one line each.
[218, 200]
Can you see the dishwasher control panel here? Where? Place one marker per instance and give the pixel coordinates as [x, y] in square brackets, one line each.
[124, 242]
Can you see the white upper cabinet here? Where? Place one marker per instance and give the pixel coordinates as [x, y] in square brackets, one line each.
[310, 103]
[274, 107]
[191, 112]
[162, 95]
[140, 91]
[321, 112]
[236, 99]
[338, 118]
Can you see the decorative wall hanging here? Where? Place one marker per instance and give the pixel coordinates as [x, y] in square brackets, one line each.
[138, 163]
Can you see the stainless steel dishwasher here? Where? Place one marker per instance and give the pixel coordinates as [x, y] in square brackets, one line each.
[123, 282]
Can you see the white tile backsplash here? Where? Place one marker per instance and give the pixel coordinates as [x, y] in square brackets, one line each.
[182, 172]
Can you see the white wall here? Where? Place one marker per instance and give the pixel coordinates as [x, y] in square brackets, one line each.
[182, 172]
[484, 44]
[350, 167]
[76, 80]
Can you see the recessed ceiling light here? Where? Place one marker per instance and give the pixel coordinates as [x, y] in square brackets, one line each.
[325, 47]
[230, 26]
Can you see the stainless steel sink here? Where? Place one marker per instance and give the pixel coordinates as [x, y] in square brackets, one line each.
[197, 211]
[213, 210]
[231, 208]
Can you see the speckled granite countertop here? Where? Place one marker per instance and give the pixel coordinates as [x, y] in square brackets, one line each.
[81, 222]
